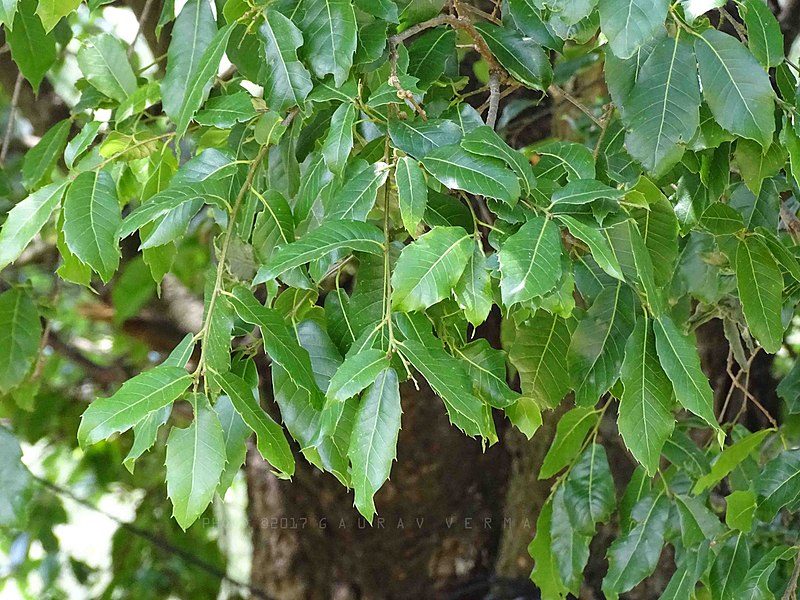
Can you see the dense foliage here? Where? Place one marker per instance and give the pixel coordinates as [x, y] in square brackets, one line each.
[350, 211]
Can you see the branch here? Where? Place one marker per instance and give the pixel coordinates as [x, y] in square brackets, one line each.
[789, 20]
[156, 540]
[462, 23]
[99, 373]
[12, 114]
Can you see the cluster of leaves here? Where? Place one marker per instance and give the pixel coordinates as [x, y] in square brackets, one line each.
[370, 220]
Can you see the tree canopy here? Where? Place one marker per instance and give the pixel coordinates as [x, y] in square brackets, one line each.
[340, 189]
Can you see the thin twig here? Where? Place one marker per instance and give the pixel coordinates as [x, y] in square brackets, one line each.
[12, 114]
[740, 31]
[494, 98]
[155, 540]
[606, 120]
[791, 221]
[743, 388]
[791, 589]
[462, 23]
[142, 20]
[556, 90]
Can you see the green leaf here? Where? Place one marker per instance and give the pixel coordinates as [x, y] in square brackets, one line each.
[580, 192]
[199, 83]
[487, 368]
[730, 567]
[778, 485]
[33, 50]
[527, 17]
[721, 219]
[787, 260]
[570, 547]
[570, 434]
[280, 342]
[450, 380]
[691, 567]
[356, 373]
[428, 269]
[629, 24]
[356, 198]
[484, 141]
[269, 129]
[727, 460]
[598, 344]
[352, 235]
[473, 291]
[40, 160]
[740, 507]
[91, 220]
[525, 415]
[373, 445]
[568, 160]
[756, 164]
[105, 65]
[339, 142]
[26, 219]
[663, 110]
[20, 335]
[764, 36]
[539, 354]
[274, 226]
[678, 356]
[456, 168]
[736, 87]
[545, 568]
[789, 389]
[757, 211]
[191, 35]
[330, 32]
[634, 555]
[8, 8]
[586, 231]
[168, 201]
[635, 261]
[696, 8]
[697, 523]
[144, 435]
[139, 396]
[270, 439]
[15, 483]
[287, 83]
[524, 59]
[760, 284]
[432, 54]
[530, 261]
[145, 96]
[756, 584]
[300, 415]
[382, 9]
[52, 11]
[645, 420]
[224, 112]
[412, 193]
[418, 138]
[589, 491]
[235, 432]
[195, 461]
[81, 142]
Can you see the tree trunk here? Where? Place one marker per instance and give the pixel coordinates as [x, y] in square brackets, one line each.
[440, 523]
